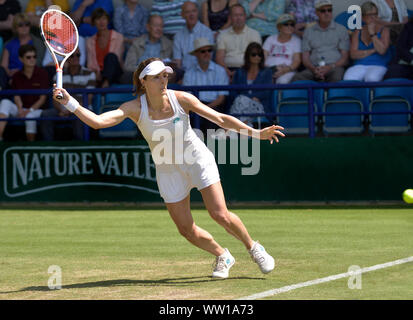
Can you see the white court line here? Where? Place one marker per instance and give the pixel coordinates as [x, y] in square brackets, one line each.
[326, 279]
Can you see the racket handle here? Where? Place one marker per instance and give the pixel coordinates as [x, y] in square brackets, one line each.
[59, 82]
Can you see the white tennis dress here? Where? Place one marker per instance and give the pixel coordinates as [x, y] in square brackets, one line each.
[181, 158]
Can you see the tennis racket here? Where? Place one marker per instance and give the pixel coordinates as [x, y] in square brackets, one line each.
[61, 37]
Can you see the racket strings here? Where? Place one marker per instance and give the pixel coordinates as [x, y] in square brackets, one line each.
[59, 32]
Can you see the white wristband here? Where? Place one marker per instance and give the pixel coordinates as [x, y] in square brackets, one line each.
[72, 104]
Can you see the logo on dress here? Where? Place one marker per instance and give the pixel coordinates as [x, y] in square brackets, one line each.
[176, 120]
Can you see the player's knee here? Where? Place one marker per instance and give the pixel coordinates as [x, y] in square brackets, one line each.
[187, 231]
[221, 216]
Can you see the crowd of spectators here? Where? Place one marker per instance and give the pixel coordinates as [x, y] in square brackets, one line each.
[213, 42]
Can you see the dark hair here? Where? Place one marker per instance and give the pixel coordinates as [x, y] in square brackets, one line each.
[26, 48]
[253, 46]
[99, 13]
[139, 89]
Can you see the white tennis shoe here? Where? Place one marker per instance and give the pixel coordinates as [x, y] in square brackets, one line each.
[223, 263]
[262, 258]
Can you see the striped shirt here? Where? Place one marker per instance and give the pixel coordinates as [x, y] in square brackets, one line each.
[170, 11]
[214, 75]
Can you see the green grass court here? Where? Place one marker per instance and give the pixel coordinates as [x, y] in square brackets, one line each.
[109, 253]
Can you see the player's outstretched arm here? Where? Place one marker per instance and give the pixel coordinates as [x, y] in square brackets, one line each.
[104, 120]
[191, 103]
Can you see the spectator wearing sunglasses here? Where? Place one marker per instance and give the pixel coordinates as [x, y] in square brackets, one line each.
[207, 73]
[283, 51]
[252, 72]
[304, 13]
[10, 61]
[369, 48]
[325, 47]
[27, 105]
[75, 76]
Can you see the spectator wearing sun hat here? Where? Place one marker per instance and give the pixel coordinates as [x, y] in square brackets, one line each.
[325, 47]
[207, 73]
[282, 51]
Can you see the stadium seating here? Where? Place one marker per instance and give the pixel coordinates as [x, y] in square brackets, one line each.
[345, 100]
[296, 101]
[390, 99]
[111, 101]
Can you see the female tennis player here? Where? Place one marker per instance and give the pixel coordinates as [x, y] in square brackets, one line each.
[157, 108]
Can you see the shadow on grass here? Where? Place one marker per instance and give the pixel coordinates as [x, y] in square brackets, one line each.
[172, 282]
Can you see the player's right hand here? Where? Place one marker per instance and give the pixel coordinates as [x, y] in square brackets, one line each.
[66, 96]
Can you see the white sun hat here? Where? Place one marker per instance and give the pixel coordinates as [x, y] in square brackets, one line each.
[154, 68]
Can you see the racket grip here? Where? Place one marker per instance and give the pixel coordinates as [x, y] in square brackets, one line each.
[59, 82]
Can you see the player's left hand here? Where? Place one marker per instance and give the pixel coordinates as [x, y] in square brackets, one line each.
[271, 133]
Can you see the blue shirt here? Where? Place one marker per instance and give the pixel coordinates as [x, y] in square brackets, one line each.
[151, 50]
[85, 29]
[184, 43]
[375, 59]
[131, 27]
[214, 75]
[13, 47]
[264, 77]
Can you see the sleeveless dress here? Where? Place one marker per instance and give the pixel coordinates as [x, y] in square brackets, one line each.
[219, 18]
[182, 160]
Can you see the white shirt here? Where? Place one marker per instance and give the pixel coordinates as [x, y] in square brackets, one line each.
[279, 52]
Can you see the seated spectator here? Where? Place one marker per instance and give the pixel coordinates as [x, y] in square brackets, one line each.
[369, 48]
[215, 14]
[232, 42]
[262, 15]
[207, 73]
[170, 11]
[8, 8]
[82, 12]
[10, 60]
[104, 50]
[26, 106]
[130, 20]
[48, 62]
[184, 40]
[392, 14]
[283, 51]
[304, 13]
[402, 64]
[325, 47]
[35, 9]
[252, 72]
[74, 76]
[151, 44]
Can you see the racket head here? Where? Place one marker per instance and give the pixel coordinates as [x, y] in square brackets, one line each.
[59, 32]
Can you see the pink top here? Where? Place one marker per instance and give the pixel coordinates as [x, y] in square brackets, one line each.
[116, 46]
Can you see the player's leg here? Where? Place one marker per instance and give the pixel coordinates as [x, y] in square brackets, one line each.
[214, 200]
[215, 203]
[180, 213]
